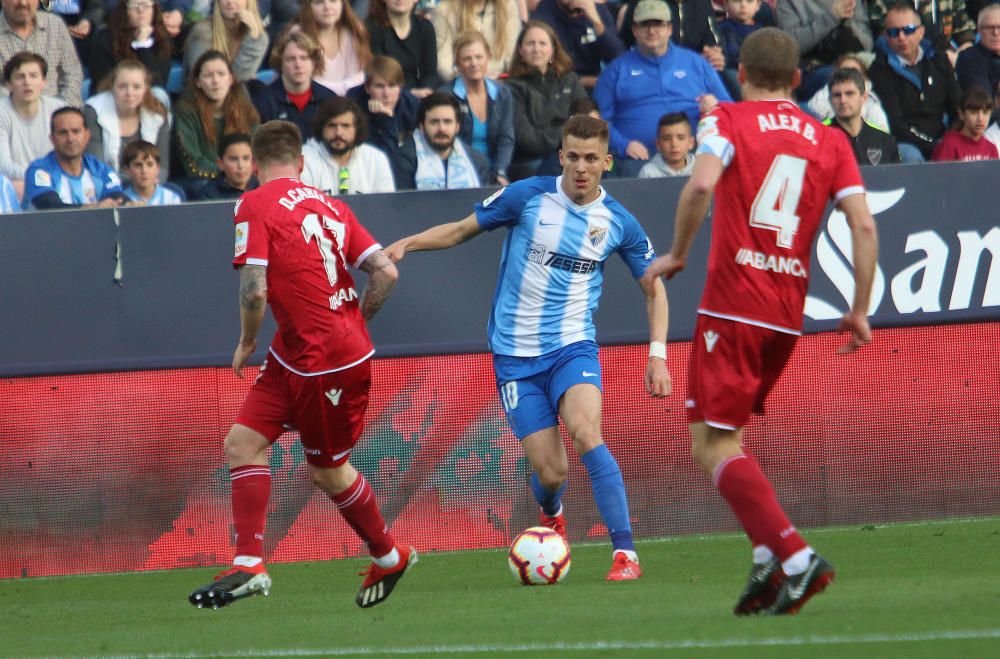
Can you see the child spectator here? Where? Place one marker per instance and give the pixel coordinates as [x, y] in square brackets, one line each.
[125, 111]
[967, 142]
[215, 105]
[674, 143]
[25, 116]
[141, 164]
[343, 38]
[135, 30]
[235, 171]
[236, 30]
[737, 26]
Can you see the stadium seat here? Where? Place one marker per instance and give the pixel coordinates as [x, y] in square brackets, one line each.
[266, 76]
[175, 79]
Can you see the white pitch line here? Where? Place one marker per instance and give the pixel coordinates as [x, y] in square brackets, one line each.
[680, 644]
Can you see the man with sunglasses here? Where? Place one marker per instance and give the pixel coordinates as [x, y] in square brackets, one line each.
[916, 83]
[950, 24]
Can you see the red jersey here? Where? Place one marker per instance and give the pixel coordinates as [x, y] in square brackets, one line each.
[307, 240]
[956, 146]
[782, 166]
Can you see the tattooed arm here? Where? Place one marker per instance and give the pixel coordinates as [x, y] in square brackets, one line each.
[382, 276]
[253, 302]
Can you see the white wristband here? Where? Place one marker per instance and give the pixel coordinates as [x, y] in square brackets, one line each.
[658, 349]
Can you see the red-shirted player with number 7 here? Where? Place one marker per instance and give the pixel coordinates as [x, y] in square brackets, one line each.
[773, 169]
[293, 248]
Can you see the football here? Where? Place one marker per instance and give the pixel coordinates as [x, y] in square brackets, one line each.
[539, 557]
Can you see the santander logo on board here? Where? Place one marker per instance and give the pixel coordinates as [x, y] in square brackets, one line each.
[917, 287]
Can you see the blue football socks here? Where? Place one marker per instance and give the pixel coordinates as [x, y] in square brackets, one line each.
[550, 501]
[609, 494]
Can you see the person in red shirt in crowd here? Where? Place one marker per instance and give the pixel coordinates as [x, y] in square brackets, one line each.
[967, 142]
[293, 249]
[773, 169]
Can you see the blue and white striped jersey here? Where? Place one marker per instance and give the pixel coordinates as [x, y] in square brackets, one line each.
[552, 264]
[163, 196]
[96, 182]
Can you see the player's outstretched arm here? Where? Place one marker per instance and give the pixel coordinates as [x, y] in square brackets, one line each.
[441, 236]
[696, 197]
[657, 379]
[382, 276]
[253, 301]
[864, 241]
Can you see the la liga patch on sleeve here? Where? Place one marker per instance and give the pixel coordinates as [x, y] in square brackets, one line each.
[42, 179]
[242, 233]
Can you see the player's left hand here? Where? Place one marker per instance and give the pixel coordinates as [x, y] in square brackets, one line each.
[666, 266]
[861, 333]
[241, 356]
[707, 103]
[658, 383]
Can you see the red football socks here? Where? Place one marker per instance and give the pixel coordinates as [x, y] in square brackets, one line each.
[358, 507]
[251, 492]
[751, 498]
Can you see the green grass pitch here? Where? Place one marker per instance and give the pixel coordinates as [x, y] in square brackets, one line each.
[909, 590]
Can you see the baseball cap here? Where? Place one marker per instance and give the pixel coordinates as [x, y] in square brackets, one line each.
[651, 10]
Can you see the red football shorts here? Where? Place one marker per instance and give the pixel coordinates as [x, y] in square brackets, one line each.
[328, 410]
[733, 367]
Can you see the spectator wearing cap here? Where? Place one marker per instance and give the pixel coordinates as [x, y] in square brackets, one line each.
[23, 28]
[653, 79]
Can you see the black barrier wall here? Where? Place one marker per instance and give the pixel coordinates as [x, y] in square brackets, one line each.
[153, 287]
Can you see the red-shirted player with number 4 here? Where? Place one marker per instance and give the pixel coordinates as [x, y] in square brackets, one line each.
[293, 248]
[773, 169]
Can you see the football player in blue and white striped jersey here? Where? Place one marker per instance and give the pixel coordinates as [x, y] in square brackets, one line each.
[560, 231]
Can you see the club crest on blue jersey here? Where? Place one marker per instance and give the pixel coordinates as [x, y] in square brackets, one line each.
[535, 252]
[597, 235]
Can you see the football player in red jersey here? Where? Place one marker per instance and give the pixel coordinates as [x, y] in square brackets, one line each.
[772, 169]
[293, 249]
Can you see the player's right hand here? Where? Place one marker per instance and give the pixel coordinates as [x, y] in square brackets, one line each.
[396, 251]
[861, 333]
[241, 356]
[665, 266]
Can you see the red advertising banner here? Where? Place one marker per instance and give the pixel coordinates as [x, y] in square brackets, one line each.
[124, 471]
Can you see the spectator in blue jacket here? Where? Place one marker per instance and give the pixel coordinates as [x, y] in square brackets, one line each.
[294, 95]
[654, 79]
[69, 176]
[586, 30]
[487, 120]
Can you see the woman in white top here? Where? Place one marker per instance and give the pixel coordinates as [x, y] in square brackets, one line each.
[343, 38]
[125, 112]
[236, 30]
[872, 112]
[498, 20]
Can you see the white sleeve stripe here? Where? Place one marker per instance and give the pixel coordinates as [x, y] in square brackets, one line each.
[718, 146]
[257, 262]
[848, 191]
[365, 254]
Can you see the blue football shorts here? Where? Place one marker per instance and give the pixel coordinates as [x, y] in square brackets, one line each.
[530, 387]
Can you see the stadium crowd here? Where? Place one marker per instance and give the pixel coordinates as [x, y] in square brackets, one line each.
[113, 102]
